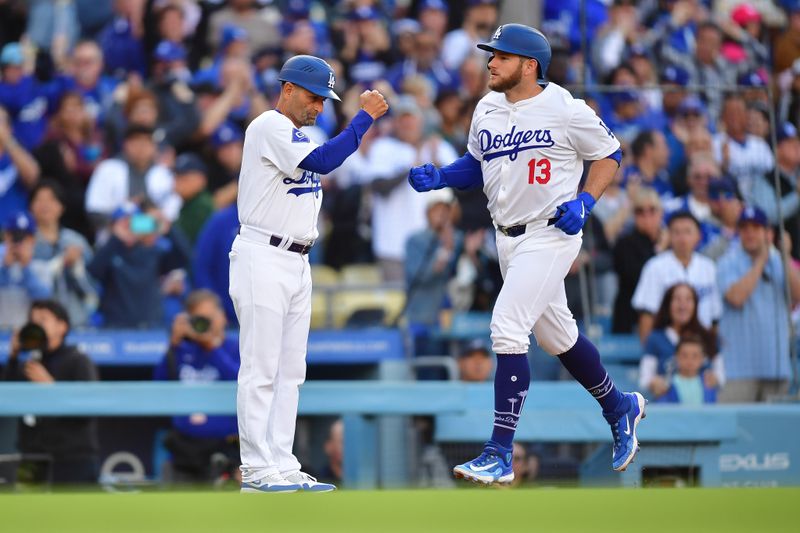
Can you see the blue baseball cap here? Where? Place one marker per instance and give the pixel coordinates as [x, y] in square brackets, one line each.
[189, 162]
[20, 222]
[624, 97]
[365, 13]
[225, 134]
[638, 50]
[169, 51]
[676, 75]
[405, 26]
[12, 55]
[752, 79]
[439, 5]
[125, 210]
[753, 214]
[691, 104]
[722, 188]
[232, 34]
[787, 130]
[298, 8]
[473, 346]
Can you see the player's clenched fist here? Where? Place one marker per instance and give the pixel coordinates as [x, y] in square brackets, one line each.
[572, 215]
[425, 178]
[374, 103]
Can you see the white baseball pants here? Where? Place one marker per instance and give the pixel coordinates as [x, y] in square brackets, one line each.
[271, 292]
[533, 298]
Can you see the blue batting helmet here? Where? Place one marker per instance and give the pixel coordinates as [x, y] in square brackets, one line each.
[522, 41]
[310, 73]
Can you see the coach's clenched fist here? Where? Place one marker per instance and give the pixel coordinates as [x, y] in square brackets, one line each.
[374, 103]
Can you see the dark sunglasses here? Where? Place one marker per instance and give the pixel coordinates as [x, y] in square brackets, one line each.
[650, 209]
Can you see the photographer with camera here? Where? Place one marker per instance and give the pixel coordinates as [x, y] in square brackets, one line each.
[22, 278]
[129, 266]
[40, 355]
[203, 447]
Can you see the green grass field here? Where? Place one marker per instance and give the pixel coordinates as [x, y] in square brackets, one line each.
[421, 511]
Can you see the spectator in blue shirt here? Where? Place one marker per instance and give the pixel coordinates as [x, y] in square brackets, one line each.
[687, 386]
[121, 41]
[755, 319]
[430, 261]
[19, 172]
[702, 170]
[178, 116]
[23, 279]
[366, 47]
[650, 158]
[129, 267]
[200, 352]
[88, 79]
[628, 118]
[726, 208]
[211, 265]
[227, 143]
[65, 252]
[425, 62]
[24, 97]
[676, 318]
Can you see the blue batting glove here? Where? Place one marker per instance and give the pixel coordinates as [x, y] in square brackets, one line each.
[571, 216]
[425, 178]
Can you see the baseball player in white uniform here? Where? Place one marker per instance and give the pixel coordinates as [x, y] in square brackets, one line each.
[270, 280]
[527, 144]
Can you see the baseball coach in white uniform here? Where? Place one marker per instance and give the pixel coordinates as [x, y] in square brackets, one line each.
[270, 280]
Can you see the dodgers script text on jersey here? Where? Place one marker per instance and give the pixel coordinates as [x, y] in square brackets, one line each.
[527, 151]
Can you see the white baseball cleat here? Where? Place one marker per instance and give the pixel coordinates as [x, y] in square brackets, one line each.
[308, 483]
[269, 483]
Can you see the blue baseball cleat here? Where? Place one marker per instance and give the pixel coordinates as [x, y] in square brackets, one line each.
[272, 483]
[309, 483]
[492, 466]
[623, 429]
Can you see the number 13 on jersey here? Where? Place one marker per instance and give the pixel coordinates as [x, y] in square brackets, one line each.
[538, 171]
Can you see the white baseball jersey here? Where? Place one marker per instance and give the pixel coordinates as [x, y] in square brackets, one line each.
[664, 270]
[401, 213]
[747, 162]
[274, 194]
[532, 151]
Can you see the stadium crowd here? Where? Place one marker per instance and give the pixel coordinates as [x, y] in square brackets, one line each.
[121, 132]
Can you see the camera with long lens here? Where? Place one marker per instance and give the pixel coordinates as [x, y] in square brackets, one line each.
[33, 339]
[200, 324]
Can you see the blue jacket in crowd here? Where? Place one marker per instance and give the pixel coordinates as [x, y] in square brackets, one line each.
[188, 362]
[211, 262]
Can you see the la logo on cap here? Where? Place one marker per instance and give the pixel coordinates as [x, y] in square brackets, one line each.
[331, 80]
[497, 33]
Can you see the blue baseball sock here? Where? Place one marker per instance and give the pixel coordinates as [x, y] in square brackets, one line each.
[511, 381]
[583, 362]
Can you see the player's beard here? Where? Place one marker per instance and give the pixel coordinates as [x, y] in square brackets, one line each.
[308, 118]
[501, 85]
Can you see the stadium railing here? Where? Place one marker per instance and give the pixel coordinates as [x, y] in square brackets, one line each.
[716, 439]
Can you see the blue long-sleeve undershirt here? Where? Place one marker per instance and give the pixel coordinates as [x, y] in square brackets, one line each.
[463, 173]
[327, 157]
[616, 156]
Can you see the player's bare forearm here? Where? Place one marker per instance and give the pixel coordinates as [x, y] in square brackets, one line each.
[601, 174]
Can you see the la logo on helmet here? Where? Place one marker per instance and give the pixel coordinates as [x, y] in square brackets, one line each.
[331, 80]
[497, 33]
